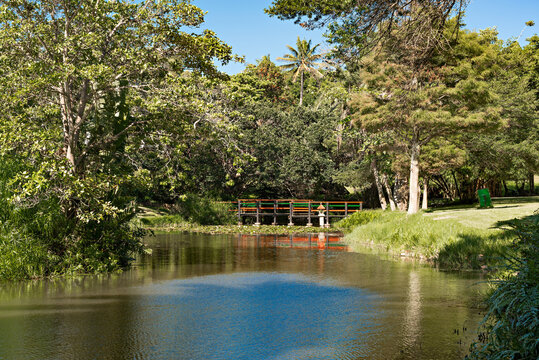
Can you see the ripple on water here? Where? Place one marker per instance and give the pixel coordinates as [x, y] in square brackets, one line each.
[256, 316]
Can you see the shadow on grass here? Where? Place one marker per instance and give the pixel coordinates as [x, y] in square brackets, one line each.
[534, 218]
[515, 200]
[475, 252]
[472, 251]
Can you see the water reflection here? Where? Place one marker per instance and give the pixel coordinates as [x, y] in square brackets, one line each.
[243, 297]
[412, 318]
[321, 241]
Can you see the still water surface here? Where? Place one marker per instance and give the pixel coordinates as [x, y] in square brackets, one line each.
[244, 297]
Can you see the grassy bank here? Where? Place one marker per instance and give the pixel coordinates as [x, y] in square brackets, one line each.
[235, 229]
[453, 238]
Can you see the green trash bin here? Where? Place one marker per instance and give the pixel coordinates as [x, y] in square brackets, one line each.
[484, 198]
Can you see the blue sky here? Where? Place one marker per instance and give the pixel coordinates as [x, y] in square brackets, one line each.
[244, 25]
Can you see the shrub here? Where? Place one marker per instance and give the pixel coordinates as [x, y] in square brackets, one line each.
[511, 325]
[204, 211]
[40, 236]
[24, 258]
[357, 219]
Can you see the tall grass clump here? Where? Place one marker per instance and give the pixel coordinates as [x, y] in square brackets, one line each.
[511, 325]
[358, 218]
[24, 258]
[446, 242]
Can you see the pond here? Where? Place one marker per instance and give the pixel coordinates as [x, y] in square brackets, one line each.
[245, 297]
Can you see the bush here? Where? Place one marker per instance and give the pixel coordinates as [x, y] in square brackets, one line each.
[204, 211]
[511, 325]
[103, 246]
[41, 241]
[357, 219]
[24, 258]
[40, 236]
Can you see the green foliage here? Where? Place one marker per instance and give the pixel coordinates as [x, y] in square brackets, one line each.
[358, 219]
[24, 258]
[410, 28]
[192, 210]
[511, 325]
[260, 83]
[294, 152]
[85, 87]
[204, 211]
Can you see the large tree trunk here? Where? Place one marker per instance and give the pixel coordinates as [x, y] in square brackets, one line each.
[532, 183]
[301, 90]
[425, 204]
[381, 195]
[400, 192]
[389, 192]
[456, 185]
[413, 199]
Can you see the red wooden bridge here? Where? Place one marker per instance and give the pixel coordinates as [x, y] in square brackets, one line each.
[294, 209]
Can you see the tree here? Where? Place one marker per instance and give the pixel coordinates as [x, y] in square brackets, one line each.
[511, 154]
[451, 95]
[80, 82]
[80, 55]
[301, 61]
[412, 28]
[409, 32]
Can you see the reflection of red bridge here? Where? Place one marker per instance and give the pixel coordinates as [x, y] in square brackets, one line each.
[319, 241]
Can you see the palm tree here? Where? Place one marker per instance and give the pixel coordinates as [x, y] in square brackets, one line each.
[300, 61]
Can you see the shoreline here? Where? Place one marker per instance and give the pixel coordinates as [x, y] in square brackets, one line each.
[241, 229]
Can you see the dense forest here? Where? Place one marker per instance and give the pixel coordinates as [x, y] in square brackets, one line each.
[108, 105]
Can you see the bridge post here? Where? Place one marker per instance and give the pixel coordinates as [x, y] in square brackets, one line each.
[291, 207]
[327, 216]
[346, 209]
[274, 212]
[257, 223]
[309, 223]
[240, 223]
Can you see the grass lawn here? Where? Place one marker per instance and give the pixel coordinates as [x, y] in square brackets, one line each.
[504, 209]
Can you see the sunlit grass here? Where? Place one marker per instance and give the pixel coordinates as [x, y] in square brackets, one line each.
[503, 209]
[455, 238]
[448, 243]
